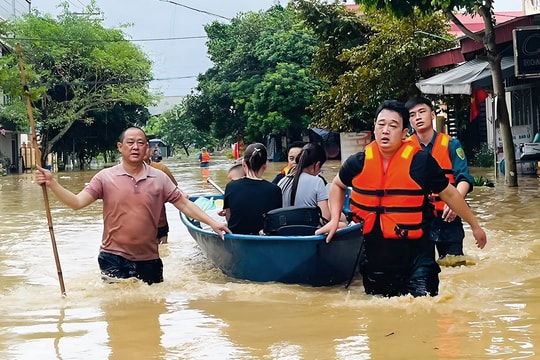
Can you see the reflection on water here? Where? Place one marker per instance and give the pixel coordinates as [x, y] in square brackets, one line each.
[485, 311]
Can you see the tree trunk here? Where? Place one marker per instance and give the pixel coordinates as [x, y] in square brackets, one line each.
[186, 149]
[494, 59]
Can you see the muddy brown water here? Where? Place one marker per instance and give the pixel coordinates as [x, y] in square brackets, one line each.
[488, 310]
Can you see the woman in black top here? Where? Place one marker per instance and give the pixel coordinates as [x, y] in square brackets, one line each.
[247, 199]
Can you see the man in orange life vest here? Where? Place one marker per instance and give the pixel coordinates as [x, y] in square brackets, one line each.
[447, 228]
[204, 158]
[391, 182]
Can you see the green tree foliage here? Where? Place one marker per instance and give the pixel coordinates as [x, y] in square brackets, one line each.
[260, 83]
[76, 69]
[87, 141]
[484, 9]
[373, 56]
[176, 128]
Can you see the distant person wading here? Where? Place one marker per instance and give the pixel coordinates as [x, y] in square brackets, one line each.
[204, 158]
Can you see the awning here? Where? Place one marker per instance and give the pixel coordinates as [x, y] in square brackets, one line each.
[475, 73]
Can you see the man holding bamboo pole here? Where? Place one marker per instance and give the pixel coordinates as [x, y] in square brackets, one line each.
[133, 194]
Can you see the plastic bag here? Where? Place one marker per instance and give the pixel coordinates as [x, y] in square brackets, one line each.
[205, 203]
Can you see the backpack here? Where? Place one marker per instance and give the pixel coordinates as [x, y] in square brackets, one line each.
[293, 220]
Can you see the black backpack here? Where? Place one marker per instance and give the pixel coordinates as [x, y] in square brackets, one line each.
[293, 220]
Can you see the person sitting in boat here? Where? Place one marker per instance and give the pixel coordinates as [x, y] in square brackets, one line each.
[305, 186]
[293, 150]
[204, 158]
[247, 199]
[235, 172]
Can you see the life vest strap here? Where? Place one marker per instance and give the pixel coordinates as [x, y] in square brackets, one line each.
[388, 209]
[386, 192]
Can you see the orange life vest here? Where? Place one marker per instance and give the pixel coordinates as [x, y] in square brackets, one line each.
[441, 153]
[205, 157]
[286, 170]
[393, 196]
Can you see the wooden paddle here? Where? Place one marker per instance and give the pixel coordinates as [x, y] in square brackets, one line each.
[38, 163]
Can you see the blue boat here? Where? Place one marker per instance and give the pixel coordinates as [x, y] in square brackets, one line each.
[292, 259]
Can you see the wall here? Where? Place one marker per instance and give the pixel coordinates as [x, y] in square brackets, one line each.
[531, 7]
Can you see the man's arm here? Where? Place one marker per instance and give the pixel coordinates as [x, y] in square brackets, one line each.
[464, 180]
[452, 197]
[75, 202]
[335, 203]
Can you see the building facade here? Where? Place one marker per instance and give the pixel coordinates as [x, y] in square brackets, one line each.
[10, 139]
[472, 73]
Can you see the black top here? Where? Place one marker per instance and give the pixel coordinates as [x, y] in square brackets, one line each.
[247, 200]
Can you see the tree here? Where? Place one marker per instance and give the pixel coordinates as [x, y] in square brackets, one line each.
[484, 9]
[75, 68]
[365, 59]
[86, 141]
[176, 128]
[260, 83]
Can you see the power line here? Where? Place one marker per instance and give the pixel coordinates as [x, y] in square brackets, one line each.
[105, 40]
[197, 10]
[71, 2]
[115, 81]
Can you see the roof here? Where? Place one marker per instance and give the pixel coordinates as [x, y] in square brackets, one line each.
[476, 23]
[463, 78]
[468, 47]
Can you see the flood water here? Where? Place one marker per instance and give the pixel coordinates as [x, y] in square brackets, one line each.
[488, 310]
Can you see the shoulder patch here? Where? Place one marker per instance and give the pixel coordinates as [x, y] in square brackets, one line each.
[460, 153]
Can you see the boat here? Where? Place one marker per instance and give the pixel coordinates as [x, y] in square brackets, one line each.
[289, 259]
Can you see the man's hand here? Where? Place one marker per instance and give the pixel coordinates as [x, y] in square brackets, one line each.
[480, 236]
[329, 229]
[220, 228]
[448, 214]
[43, 176]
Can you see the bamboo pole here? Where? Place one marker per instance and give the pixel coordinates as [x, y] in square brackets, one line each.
[216, 186]
[38, 163]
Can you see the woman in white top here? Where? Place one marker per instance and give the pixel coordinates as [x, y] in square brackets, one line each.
[304, 186]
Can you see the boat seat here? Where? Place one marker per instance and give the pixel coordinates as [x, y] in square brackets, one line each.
[296, 230]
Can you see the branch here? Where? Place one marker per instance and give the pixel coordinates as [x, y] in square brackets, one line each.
[452, 17]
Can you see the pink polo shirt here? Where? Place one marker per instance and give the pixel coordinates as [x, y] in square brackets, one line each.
[131, 210]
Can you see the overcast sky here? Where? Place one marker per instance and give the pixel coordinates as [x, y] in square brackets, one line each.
[177, 62]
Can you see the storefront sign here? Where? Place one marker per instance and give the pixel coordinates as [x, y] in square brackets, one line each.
[527, 51]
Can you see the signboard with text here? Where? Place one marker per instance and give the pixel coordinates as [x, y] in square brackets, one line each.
[527, 51]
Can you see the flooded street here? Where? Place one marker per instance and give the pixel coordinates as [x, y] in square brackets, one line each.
[488, 310]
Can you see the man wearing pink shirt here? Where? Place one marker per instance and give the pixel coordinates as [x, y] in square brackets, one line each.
[133, 194]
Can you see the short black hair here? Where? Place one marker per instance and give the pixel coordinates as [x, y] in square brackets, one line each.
[123, 134]
[397, 106]
[417, 101]
[295, 144]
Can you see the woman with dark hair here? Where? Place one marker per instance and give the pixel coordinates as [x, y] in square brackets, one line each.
[247, 199]
[305, 187]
